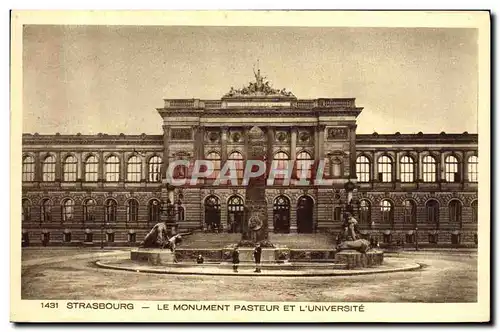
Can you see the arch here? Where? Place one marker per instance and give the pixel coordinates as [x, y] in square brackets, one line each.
[472, 168]
[429, 168]
[154, 168]
[89, 209]
[237, 158]
[432, 211]
[212, 209]
[70, 168]
[45, 210]
[305, 214]
[455, 212]
[134, 168]
[365, 211]
[281, 214]
[410, 212]
[25, 209]
[385, 166]
[304, 164]
[215, 158]
[235, 214]
[387, 211]
[112, 168]
[91, 165]
[474, 207]
[68, 209]
[132, 205]
[28, 168]
[154, 210]
[452, 168]
[407, 168]
[110, 209]
[49, 168]
[281, 155]
[363, 168]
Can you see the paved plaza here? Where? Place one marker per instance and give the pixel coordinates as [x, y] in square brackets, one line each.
[70, 274]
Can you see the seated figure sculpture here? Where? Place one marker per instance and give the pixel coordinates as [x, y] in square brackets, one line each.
[158, 238]
[349, 238]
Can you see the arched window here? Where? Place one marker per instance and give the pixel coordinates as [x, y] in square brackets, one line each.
[387, 212]
[363, 169]
[407, 169]
[212, 213]
[49, 169]
[28, 169]
[474, 211]
[304, 165]
[154, 209]
[432, 207]
[384, 169]
[26, 210]
[281, 214]
[154, 169]
[235, 214]
[472, 164]
[91, 169]
[110, 210]
[451, 169]
[429, 169]
[181, 213]
[132, 210]
[336, 167]
[280, 162]
[410, 212]
[134, 169]
[365, 215]
[237, 159]
[455, 212]
[68, 210]
[112, 169]
[46, 210]
[89, 210]
[69, 169]
[214, 157]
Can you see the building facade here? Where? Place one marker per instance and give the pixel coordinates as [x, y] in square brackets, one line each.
[108, 189]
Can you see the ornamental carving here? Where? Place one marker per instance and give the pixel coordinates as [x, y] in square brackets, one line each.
[236, 137]
[337, 133]
[213, 136]
[261, 87]
[304, 136]
[282, 136]
[181, 134]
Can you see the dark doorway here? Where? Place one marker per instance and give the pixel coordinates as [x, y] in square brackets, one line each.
[212, 213]
[305, 210]
[281, 214]
[235, 214]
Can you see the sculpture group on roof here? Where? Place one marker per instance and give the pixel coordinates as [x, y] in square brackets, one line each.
[258, 88]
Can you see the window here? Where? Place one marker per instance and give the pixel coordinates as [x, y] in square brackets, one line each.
[472, 163]
[304, 165]
[132, 210]
[134, 169]
[28, 169]
[89, 210]
[410, 212]
[363, 169]
[451, 169]
[336, 167]
[180, 213]
[49, 169]
[214, 157]
[432, 207]
[474, 211]
[212, 213]
[68, 209]
[455, 212]
[237, 159]
[46, 209]
[337, 213]
[384, 169]
[112, 169]
[69, 169]
[281, 214]
[235, 214]
[110, 210]
[91, 169]
[387, 212]
[429, 169]
[154, 210]
[155, 169]
[407, 169]
[280, 162]
[365, 212]
[26, 210]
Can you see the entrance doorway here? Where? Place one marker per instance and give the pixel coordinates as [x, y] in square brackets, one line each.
[305, 210]
[281, 214]
[212, 213]
[235, 214]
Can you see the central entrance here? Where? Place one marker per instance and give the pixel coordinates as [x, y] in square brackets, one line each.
[305, 209]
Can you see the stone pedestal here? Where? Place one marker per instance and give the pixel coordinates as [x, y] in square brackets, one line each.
[153, 256]
[354, 259]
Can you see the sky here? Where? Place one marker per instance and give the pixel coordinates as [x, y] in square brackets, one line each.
[111, 79]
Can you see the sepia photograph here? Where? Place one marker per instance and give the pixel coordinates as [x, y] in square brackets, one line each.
[250, 166]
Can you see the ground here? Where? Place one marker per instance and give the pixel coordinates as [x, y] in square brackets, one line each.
[69, 274]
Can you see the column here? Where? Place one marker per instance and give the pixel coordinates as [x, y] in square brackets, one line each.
[270, 144]
[165, 159]
[58, 175]
[245, 142]
[293, 144]
[465, 177]
[352, 151]
[80, 174]
[123, 164]
[376, 155]
[38, 167]
[420, 168]
[321, 142]
[224, 134]
[198, 142]
[442, 168]
[100, 175]
[398, 166]
[144, 168]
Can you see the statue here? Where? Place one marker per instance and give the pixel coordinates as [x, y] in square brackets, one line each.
[259, 79]
[349, 238]
[158, 238]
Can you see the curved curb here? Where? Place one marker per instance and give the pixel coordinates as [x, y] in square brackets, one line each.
[413, 267]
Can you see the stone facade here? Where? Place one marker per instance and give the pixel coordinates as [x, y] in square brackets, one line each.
[106, 188]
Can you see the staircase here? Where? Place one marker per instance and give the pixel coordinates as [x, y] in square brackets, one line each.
[201, 240]
[303, 241]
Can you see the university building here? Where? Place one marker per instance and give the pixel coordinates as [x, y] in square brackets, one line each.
[109, 189]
